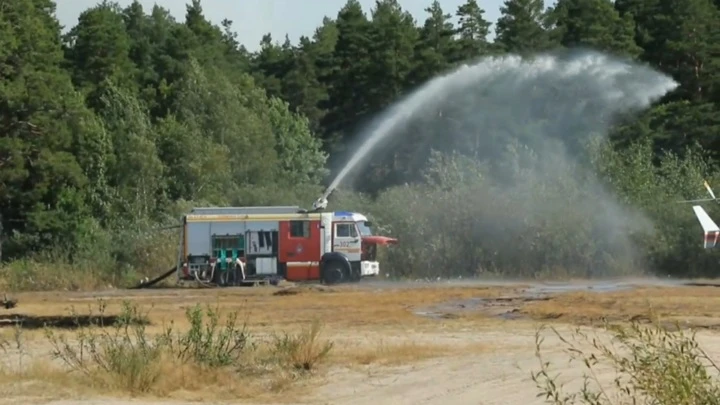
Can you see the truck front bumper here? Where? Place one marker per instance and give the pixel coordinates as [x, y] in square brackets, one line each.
[369, 269]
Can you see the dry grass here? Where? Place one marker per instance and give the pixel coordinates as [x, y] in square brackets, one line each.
[339, 307]
[386, 353]
[285, 348]
[216, 356]
[39, 382]
[188, 382]
[698, 306]
[270, 350]
[55, 274]
[391, 354]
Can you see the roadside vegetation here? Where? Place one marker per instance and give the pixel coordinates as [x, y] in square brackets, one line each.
[209, 353]
[653, 363]
[215, 353]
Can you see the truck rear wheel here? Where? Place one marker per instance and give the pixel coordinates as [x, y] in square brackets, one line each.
[333, 272]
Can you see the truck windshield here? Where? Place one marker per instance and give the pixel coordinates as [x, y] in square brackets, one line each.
[364, 227]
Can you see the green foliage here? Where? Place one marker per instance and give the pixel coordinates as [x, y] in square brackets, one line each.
[653, 365]
[206, 342]
[299, 152]
[522, 27]
[595, 24]
[120, 126]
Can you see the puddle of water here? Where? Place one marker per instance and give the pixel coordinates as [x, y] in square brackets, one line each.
[545, 289]
[511, 315]
[503, 307]
[508, 307]
[435, 315]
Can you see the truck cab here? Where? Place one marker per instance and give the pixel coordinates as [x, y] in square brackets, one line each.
[353, 237]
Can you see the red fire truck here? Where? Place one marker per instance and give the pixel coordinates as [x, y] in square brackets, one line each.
[236, 245]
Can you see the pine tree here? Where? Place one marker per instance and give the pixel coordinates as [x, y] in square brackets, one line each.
[435, 48]
[595, 24]
[472, 31]
[522, 27]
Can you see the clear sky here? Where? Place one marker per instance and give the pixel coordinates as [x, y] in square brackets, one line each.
[254, 18]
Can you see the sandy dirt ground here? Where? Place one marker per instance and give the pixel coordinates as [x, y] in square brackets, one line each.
[488, 331]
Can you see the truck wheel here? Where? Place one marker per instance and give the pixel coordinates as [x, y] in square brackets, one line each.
[333, 272]
[355, 274]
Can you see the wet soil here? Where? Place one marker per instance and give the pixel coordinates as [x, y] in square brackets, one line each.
[508, 307]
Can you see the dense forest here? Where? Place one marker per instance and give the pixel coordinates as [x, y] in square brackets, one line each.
[110, 131]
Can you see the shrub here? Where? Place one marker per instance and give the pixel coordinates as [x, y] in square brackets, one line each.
[126, 357]
[301, 351]
[123, 356]
[207, 342]
[654, 366]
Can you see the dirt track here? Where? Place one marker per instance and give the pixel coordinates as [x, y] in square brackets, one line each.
[499, 375]
[496, 378]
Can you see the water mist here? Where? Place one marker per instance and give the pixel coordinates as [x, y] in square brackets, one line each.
[530, 118]
[618, 85]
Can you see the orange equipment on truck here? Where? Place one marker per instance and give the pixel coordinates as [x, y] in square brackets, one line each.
[237, 245]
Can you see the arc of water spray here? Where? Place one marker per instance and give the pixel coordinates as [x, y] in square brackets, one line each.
[399, 114]
[649, 86]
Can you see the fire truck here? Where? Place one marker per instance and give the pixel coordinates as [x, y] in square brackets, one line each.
[237, 245]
